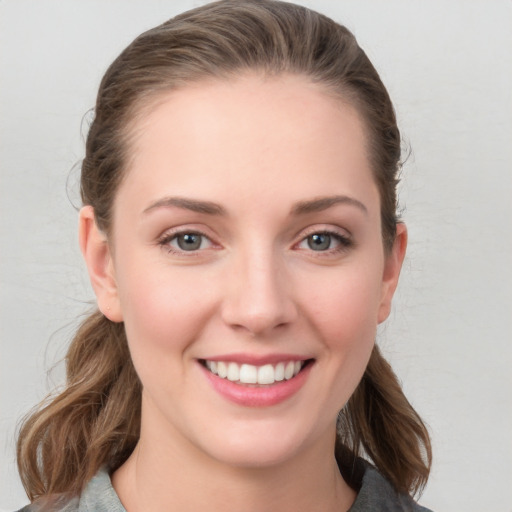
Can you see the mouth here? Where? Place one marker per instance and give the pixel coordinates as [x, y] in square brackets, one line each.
[256, 375]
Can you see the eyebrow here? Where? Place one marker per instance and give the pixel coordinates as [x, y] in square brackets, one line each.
[323, 203]
[209, 208]
[194, 205]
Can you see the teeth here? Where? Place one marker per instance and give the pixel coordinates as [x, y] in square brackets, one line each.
[222, 369]
[288, 370]
[279, 372]
[250, 374]
[233, 372]
[266, 374]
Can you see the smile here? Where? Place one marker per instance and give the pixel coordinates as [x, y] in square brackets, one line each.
[250, 374]
[268, 383]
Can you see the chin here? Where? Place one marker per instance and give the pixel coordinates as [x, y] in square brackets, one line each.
[256, 456]
[258, 446]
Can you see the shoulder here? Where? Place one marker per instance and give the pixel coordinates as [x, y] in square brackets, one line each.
[52, 504]
[378, 495]
[98, 495]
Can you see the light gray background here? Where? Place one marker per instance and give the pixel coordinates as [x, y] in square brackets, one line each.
[448, 68]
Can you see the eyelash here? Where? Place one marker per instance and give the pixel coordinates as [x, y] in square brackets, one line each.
[344, 242]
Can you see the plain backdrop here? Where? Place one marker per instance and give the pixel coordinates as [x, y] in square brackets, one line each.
[448, 68]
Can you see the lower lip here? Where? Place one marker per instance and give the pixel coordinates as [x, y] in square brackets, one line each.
[258, 396]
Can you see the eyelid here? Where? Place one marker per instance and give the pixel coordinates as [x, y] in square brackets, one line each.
[325, 228]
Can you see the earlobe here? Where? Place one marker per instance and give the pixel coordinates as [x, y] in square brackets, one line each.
[97, 255]
[391, 273]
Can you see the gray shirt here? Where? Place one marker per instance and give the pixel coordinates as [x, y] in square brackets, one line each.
[375, 495]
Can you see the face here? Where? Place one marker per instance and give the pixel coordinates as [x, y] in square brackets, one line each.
[246, 261]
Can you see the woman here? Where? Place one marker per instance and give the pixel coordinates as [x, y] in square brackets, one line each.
[240, 231]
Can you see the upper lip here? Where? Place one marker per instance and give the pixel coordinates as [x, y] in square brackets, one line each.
[256, 360]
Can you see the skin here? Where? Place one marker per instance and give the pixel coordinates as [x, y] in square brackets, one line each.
[256, 147]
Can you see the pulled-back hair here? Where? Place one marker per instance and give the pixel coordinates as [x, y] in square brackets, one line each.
[95, 421]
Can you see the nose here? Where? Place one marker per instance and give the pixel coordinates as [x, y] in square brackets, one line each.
[258, 297]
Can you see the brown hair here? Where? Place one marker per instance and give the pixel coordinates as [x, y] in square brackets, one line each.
[95, 420]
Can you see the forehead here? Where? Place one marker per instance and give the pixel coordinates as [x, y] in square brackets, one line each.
[256, 133]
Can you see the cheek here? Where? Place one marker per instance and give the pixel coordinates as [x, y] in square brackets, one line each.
[342, 314]
[346, 308]
[164, 313]
[163, 310]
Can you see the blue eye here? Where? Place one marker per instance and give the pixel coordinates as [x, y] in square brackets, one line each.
[319, 241]
[325, 242]
[188, 241]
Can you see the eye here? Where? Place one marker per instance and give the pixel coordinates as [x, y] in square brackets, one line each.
[324, 241]
[185, 242]
[319, 241]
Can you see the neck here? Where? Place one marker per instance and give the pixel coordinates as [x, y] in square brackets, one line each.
[167, 473]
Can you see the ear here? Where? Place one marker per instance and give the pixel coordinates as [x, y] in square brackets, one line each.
[97, 255]
[392, 267]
